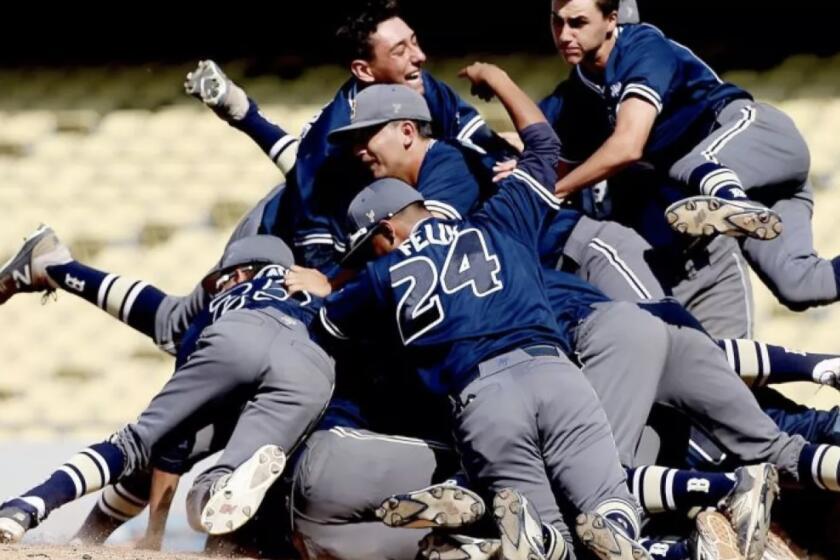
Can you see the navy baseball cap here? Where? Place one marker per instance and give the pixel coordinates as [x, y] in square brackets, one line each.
[378, 201]
[255, 249]
[383, 103]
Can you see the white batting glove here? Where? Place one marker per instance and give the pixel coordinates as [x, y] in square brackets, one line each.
[213, 88]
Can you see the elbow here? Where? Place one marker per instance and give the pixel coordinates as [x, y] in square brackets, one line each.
[630, 154]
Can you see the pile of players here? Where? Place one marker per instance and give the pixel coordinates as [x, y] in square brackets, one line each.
[521, 347]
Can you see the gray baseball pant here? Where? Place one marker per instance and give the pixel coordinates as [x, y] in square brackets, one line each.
[261, 357]
[611, 257]
[344, 474]
[627, 351]
[536, 424]
[762, 145]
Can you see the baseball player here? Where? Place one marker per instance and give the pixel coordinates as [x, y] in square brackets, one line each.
[445, 293]
[254, 355]
[704, 134]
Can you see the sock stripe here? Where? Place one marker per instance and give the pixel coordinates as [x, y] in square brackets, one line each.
[120, 490]
[90, 473]
[638, 491]
[761, 379]
[115, 300]
[103, 290]
[816, 465]
[765, 359]
[112, 511]
[75, 478]
[669, 489]
[829, 467]
[37, 503]
[730, 356]
[103, 464]
[651, 486]
[622, 510]
[131, 295]
[89, 453]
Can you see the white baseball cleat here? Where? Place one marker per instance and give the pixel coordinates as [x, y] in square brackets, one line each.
[710, 215]
[607, 541]
[748, 507]
[521, 534]
[212, 87]
[778, 549]
[443, 505]
[236, 499]
[714, 538]
[445, 546]
[14, 522]
[26, 271]
[827, 372]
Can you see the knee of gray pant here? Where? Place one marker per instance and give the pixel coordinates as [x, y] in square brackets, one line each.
[792, 290]
[134, 449]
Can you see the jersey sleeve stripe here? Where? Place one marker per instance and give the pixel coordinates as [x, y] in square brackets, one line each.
[280, 146]
[329, 326]
[644, 92]
[469, 129]
[443, 209]
[545, 194]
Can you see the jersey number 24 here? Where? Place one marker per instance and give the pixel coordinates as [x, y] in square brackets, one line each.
[468, 264]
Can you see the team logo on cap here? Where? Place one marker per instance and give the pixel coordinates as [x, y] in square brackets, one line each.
[397, 107]
[371, 215]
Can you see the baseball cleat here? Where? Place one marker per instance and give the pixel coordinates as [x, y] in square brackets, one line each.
[827, 372]
[554, 543]
[778, 549]
[212, 87]
[710, 215]
[237, 498]
[438, 506]
[748, 507]
[14, 522]
[606, 540]
[26, 271]
[521, 534]
[714, 538]
[444, 546]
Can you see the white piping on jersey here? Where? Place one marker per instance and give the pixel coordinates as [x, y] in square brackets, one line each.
[356, 434]
[618, 263]
[645, 92]
[443, 209]
[701, 452]
[469, 129]
[548, 196]
[330, 326]
[743, 123]
[320, 239]
[280, 146]
[589, 83]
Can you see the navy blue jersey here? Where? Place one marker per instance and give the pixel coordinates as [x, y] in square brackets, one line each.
[458, 292]
[326, 177]
[686, 93]
[571, 299]
[455, 180]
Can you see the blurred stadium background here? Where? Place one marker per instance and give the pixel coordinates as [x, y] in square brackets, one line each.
[141, 180]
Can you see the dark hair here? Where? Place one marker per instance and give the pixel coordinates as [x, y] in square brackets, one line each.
[424, 129]
[354, 36]
[607, 6]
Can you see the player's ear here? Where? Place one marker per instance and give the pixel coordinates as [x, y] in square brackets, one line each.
[386, 228]
[408, 132]
[362, 71]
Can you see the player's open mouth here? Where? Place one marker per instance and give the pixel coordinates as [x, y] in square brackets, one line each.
[413, 76]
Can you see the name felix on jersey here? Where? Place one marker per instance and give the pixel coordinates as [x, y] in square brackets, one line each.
[437, 233]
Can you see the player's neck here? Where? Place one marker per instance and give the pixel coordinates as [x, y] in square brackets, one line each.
[596, 64]
[418, 154]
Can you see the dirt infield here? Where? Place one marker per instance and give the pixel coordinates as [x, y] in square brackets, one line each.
[71, 552]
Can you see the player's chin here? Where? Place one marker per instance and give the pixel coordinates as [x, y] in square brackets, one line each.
[572, 57]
